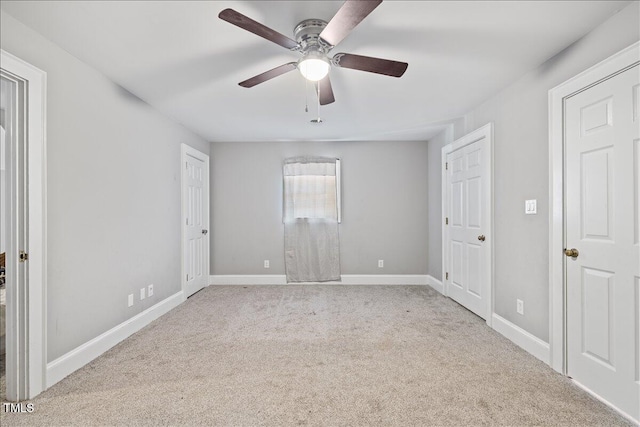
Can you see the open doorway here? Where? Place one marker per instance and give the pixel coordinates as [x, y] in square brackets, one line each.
[22, 228]
[5, 111]
[12, 236]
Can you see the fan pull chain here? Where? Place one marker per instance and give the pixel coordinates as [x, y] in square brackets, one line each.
[319, 120]
[306, 95]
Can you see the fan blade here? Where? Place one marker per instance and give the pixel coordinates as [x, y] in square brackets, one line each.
[246, 23]
[372, 65]
[348, 16]
[326, 92]
[268, 75]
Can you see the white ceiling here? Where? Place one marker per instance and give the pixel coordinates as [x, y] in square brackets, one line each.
[183, 60]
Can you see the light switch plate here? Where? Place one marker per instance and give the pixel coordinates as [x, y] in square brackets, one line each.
[531, 207]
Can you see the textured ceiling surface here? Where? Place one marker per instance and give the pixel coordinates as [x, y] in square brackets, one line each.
[186, 62]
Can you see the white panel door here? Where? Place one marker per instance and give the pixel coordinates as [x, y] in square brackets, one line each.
[196, 224]
[468, 258]
[603, 295]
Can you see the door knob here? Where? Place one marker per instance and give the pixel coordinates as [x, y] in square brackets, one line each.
[573, 253]
[205, 231]
[481, 237]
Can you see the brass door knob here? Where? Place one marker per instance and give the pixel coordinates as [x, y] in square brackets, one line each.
[573, 253]
[481, 237]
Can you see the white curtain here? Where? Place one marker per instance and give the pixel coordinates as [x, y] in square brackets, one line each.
[310, 214]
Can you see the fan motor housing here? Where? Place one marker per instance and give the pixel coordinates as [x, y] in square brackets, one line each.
[307, 33]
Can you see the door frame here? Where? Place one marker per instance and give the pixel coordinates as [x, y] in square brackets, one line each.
[486, 133]
[187, 150]
[34, 319]
[558, 96]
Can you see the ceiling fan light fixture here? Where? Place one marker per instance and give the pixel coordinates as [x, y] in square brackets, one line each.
[314, 39]
[314, 68]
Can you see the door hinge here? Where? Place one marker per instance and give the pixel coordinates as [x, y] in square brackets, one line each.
[446, 276]
[446, 221]
[446, 166]
[24, 256]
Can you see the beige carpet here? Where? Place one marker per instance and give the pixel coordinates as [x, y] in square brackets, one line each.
[316, 355]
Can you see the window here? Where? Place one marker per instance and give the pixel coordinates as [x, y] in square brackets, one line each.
[311, 188]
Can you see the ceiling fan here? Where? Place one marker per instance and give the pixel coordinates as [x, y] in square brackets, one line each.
[314, 38]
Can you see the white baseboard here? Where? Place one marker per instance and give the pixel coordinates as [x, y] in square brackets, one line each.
[606, 402]
[522, 338]
[80, 356]
[347, 279]
[435, 284]
[247, 279]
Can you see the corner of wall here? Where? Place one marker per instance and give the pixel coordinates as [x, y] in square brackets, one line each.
[85, 353]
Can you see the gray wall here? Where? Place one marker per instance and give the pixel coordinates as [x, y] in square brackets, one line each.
[113, 211]
[521, 172]
[384, 205]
